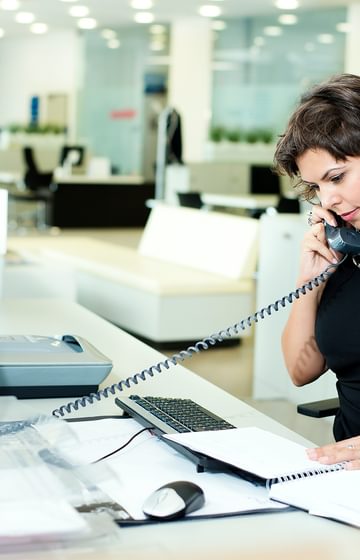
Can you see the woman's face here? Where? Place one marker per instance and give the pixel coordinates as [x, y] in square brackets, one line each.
[335, 183]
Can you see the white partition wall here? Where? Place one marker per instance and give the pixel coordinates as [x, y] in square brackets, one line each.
[279, 252]
[3, 232]
[3, 220]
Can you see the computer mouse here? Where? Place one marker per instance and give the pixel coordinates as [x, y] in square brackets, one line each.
[174, 500]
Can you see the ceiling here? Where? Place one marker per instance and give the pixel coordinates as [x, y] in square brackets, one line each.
[114, 13]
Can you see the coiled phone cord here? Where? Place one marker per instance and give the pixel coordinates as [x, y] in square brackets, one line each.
[203, 344]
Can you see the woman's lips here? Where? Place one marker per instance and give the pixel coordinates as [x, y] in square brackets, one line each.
[348, 216]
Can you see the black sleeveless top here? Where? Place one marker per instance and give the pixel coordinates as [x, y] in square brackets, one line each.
[337, 333]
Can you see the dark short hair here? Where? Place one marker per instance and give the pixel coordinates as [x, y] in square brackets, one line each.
[328, 118]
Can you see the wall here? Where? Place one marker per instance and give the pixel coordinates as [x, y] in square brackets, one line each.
[37, 65]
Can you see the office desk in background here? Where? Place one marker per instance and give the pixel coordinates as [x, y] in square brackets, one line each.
[282, 536]
[81, 201]
[240, 202]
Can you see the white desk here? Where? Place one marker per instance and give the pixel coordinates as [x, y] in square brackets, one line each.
[246, 202]
[290, 536]
[85, 180]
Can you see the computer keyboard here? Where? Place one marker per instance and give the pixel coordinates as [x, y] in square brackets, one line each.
[171, 415]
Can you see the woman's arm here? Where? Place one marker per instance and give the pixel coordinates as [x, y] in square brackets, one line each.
[303, 359]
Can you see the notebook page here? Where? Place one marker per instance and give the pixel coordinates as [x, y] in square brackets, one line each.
[334, 494]
[251, 449]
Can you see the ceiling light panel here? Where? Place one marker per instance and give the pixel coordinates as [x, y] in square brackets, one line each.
[144, 17]
[288, 19]
[141, 4]
[210, 10]
[272, 31]
[87, 23]
[287, 4]
[39, 28]
[24, 17]
[79, 11]
[343, 27]
[10, 5]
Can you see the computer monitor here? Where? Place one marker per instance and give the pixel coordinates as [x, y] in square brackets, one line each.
[263, 180]
[72, 151]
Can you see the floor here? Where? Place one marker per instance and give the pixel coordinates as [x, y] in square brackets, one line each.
[228, 367]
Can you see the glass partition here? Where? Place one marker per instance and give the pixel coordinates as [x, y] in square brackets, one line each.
[261, 66]
[113, 118]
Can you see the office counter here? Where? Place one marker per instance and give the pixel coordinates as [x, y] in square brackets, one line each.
[240, 202]
[266, 536]
[80, 201]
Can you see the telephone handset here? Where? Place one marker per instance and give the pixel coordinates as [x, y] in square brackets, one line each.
[343, 239]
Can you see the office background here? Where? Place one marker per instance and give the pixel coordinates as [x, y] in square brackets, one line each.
[244, 77]
[233, 86]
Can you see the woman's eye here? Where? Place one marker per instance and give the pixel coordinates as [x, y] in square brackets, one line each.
[337, 178]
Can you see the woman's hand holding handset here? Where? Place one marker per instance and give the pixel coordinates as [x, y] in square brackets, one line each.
[316, 254]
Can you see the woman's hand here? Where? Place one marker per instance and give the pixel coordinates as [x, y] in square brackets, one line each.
[347, 450]
[316, 255]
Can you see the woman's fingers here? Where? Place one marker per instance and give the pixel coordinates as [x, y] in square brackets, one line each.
[318, 214]
[343, 451]
[315, 241]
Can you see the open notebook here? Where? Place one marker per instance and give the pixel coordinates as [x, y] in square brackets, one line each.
[292, 478]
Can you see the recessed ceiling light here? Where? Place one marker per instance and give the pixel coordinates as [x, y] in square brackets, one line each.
[157, 29]
[325, 38]
[343, 27]
[108, 34]
[9, 5]
[87, 23]
[259, 41]
[272, 31]
[113, 44]
[24, 17]
[38, 28]
[141, 4]
[157, 45]
[288, 19]
[144, 17]
[2, 32]
[210, 11]
[79, 11]
[287, 4]
[218, 25]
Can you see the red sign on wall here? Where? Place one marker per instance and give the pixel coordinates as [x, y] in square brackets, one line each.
[123, 114]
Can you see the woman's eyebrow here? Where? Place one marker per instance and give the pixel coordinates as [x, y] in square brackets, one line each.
[327, 173]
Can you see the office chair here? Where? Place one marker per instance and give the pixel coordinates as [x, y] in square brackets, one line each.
[34, 179]
[319, 409]
[190, 199]
[37, 185]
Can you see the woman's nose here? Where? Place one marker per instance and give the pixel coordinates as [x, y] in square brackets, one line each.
[330, 199]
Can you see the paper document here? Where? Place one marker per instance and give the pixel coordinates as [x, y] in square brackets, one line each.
[254, 450]
[148, 463]
[323, 490]
[335, 495]
[32, 507]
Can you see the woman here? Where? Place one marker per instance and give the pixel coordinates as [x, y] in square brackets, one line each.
[321, 146]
